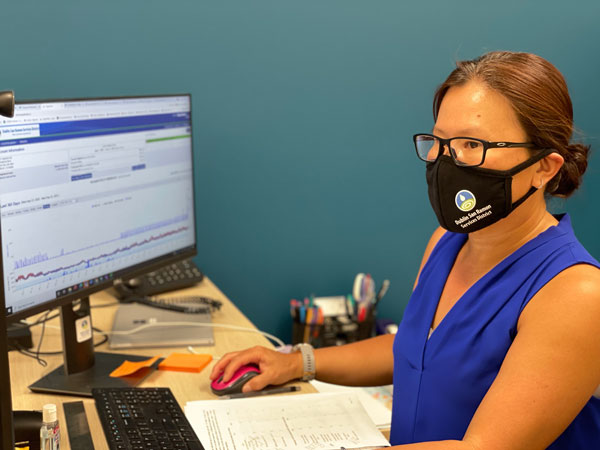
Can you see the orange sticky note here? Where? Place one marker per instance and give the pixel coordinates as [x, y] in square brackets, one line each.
[185, 362]
[128, 367]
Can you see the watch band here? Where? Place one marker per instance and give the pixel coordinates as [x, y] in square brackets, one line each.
[308, 360]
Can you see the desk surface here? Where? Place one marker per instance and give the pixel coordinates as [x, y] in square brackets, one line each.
[185, 386]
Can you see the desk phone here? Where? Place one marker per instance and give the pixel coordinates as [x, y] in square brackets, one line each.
[179, 275]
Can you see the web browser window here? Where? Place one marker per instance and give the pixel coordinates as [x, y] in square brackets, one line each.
[89, 187]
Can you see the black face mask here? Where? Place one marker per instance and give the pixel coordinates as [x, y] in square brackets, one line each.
[467, 199]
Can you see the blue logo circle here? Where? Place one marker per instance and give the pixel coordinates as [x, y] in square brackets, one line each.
[465, 200]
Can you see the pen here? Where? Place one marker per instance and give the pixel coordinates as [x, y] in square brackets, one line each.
[382, 291]
[317, 320]
[351, 304]
[302, 314]
[293, 309]
[362, 312]
[367, 288]
[279, 390]
[308, 324]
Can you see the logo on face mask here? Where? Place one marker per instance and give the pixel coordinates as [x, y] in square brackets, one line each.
[465, 200]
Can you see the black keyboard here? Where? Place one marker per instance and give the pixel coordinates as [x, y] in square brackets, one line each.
[143, 419]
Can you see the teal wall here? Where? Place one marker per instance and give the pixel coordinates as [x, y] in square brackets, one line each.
[303, 115]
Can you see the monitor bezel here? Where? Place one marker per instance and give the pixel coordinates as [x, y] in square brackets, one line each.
[122, 274]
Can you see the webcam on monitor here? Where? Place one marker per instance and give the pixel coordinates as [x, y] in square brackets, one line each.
[7, 103]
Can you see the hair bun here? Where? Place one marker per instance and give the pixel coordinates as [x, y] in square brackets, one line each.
[568, 179]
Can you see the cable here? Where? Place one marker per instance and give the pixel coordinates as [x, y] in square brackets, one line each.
[37, 353]
[194, 352]
[45, 318]
[26, 352]
[188, 304]
[42, 320]
[101, 333]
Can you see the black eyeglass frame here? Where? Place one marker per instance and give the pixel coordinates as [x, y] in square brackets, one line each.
[486, 146]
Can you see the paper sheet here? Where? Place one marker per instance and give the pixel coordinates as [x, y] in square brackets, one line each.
[290, 422]
[377, 401]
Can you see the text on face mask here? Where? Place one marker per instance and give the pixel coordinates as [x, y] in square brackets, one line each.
[474, 216]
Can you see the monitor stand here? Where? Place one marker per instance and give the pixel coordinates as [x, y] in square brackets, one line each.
[84, 369]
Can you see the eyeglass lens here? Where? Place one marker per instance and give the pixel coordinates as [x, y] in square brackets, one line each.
[467, 152]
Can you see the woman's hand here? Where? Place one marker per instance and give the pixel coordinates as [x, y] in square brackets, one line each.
[275, 367]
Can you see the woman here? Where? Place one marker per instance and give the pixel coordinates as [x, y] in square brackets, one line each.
[499, 346]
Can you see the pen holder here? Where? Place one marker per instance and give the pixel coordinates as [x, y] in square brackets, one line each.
[313, 334]
[337, 330]
[366, 328]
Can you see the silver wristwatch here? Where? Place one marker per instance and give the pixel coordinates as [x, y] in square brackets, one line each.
[308, 360]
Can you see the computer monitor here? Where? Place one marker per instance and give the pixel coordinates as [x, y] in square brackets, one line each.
[92, 191]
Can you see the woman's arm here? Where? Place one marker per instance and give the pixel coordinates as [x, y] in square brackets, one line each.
[365, 363]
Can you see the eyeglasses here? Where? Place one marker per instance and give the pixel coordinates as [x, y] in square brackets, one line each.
[465, 151]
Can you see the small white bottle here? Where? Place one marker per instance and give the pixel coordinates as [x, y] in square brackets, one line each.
[50, 432]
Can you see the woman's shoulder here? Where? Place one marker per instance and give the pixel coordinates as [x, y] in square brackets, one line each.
[433, 241]
[579, 279]
[575, 291]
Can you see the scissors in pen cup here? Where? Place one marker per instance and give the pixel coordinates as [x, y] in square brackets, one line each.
[382, 291]
[363, 289]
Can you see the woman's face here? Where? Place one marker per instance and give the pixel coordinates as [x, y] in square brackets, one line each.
[475, 110]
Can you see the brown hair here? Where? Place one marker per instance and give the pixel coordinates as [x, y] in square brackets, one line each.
[539, 96]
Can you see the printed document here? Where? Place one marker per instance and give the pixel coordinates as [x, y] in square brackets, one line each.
[325, 421]
[376, 400]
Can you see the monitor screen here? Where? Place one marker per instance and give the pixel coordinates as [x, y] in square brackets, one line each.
[92, 190]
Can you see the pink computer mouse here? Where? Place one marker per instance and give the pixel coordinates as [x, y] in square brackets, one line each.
[237, 381]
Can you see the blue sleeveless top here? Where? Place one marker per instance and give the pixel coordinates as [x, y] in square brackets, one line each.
[439, 382]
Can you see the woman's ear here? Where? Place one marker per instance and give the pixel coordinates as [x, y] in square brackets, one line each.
[549, 166]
